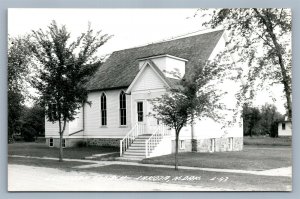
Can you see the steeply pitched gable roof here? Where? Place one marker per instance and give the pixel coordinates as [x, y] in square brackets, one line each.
[122, 66]
[169, 82]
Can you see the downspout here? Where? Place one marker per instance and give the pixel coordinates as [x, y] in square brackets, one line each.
[82, 130]
[76, 132]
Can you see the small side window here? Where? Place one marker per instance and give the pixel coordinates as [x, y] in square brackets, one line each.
[230, 143]
[283, 126]
[212, 144]
[63, 143]
[182, 144]
[51, 142]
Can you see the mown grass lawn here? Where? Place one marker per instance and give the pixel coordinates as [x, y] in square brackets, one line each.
[227, 181]
[251, 158]
[65, 165]
[41, 150]
[267, 141]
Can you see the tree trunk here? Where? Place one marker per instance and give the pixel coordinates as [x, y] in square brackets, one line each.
[176, 151]
[61, 140]
[285, 79]
[60, 147]
[192, 127]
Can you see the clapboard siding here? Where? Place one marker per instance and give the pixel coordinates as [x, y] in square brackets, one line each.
[77, 124]
[52, 129]
[148, 80]
[285, 132]
[146, 96]
[92, 115]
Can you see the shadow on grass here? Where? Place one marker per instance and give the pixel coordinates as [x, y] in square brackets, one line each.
[41, 150]
[251, 158]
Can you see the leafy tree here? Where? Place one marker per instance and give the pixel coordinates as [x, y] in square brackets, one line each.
[261, 121]
[261, 38]
[195, 96]
[33, 122]
[251, 117]
[274, 129]
[269, 116]
[18, 59]
[63, 69]
[15, 110]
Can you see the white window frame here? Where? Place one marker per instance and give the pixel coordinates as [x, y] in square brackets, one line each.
[283, 126]
[63, 143]
[212, 145]
[51, 142]
[230, 143]
[182, 144]
[103, 110]
[123, 108]
[137, 111]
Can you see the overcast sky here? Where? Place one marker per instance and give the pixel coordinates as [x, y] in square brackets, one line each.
[130, 27]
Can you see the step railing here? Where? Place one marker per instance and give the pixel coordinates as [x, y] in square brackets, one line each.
[155, 138]
[125, 143]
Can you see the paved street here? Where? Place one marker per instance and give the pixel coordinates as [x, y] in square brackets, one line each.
[29, 178]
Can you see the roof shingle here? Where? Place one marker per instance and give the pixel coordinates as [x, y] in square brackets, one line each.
[122, 66]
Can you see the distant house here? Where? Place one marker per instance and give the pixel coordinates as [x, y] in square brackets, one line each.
[285, 128]
[120, 94]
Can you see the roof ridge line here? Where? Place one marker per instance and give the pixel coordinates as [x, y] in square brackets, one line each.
[166, 41]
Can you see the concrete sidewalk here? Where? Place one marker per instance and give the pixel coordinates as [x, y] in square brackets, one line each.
[284, 172]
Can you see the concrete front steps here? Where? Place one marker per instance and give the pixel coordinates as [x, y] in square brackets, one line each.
[136, 151]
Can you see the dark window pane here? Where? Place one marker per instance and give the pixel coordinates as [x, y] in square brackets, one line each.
[124, 121]
[123, 108]
[103, 110]
[140, 111]
[283, 126]
[140, 117]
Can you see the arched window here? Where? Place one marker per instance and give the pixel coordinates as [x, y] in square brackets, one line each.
[103, 110]
[123, 108]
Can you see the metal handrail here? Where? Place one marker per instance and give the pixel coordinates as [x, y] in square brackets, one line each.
[130, 137]
[155, 139]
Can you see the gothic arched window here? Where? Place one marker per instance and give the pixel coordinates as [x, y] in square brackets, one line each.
[103, 110]
[122, 108]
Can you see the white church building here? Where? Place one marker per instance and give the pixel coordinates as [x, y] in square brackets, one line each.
[120, 93]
